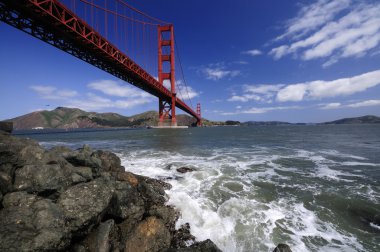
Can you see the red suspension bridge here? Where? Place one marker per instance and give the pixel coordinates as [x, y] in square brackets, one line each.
[109, 34]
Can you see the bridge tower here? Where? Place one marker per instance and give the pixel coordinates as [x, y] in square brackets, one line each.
[199, 122]
[166, 59]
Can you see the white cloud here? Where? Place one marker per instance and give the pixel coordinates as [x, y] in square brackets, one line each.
[261, 110]
[242, 62]
[43, 90]
[279, 52]
[323, 89]
[333, 105]
[337, 105]
[92, 102]
[260, 93]
[117, 88]
[218, 72]
[254, 52]
[367, 103]
[52, 93]
[332, 30]
[186, 92]
[127, 97]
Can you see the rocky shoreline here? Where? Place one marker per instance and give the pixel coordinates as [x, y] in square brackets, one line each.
[82, 200]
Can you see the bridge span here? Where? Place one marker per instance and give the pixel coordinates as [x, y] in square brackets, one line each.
[56, 24]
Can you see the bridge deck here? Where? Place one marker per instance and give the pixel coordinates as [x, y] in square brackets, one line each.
[53, 23]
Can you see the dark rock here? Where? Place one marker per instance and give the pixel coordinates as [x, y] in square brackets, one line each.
[182, 237]
[60, 151]
[204, 246]
[30, 223]
[19, 199]
[85, 156]
[282, 248]
[85, 172]
[152, 190]
[127, 204]
[5, 183]
[185, 169]
[6, 126]
[85, 204]
[127, 177]
[152, 194]
[17, 152]
[149, 235]
[109, 161]
[76, 178]
[166, 213]
[99, 239]
[41, 178]
[78, 248]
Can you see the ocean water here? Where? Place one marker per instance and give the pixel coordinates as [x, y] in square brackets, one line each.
[315, 187]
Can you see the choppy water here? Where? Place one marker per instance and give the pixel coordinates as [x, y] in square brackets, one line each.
[316, 188]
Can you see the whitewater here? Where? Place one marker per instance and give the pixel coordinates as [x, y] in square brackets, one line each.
[315, 188]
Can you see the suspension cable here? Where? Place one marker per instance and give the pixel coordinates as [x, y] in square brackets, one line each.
[117, 14]
[142, 13]
[183, 76]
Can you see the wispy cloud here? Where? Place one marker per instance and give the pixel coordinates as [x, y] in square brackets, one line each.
[368, 103]
[117, 88]
[333, 105]
[253, 52]
[312, 90]
[186, 91]
[260, 93]
[322, 89]
[331, 30]
[127, 97]
[360, 104]
[92, 102]
[53, 93]
[219, 73]
[261, 110]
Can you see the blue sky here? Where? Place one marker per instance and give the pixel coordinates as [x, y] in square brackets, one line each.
[296, 61]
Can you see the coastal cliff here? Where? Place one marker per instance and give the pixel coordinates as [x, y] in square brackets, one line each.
[83, 200]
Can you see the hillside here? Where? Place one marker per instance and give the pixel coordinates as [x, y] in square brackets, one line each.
[356, 120]
[72, 118]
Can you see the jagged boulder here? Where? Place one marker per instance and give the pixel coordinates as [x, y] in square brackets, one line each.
[6, 126]
[167, 214]
[85, 156]
[182, 237]
[99, 240]
[45, 179]
[127, 203]
[5, 182]
[16, 152]
[109, 161]
[150, 235]
[85, 204]
[282, 248]
[31, 223]
[185, 169]
[204, 246]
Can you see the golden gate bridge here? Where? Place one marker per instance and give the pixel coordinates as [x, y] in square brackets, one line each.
[115, 37]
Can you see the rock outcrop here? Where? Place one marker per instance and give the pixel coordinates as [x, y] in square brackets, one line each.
[82, 200]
